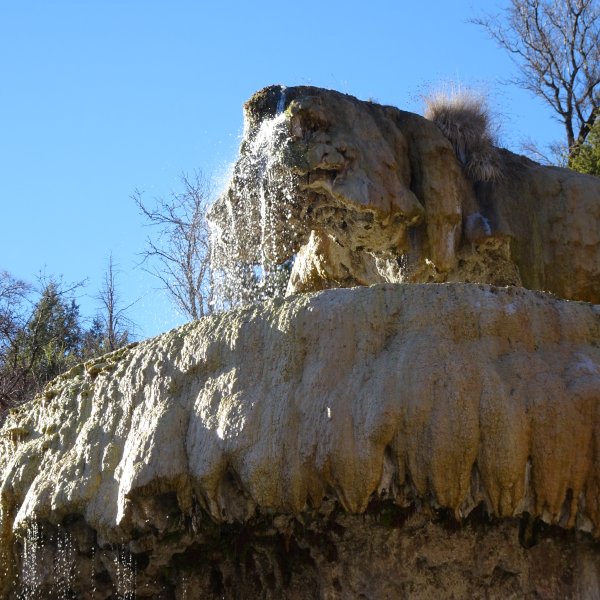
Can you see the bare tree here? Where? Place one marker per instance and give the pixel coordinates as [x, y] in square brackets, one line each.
[13, 293]
[556, 45]
[181, 250]
[117, 326]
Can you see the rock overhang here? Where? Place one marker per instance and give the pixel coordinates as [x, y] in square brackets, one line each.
[455, 393]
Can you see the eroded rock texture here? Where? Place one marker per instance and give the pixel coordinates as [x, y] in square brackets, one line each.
[364, 193]
[392, 441]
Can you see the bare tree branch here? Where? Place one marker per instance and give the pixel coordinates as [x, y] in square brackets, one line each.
[556, 46]
[181, 248]
[117, 326]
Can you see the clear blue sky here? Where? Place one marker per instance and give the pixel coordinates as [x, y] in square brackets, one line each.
[100, 98]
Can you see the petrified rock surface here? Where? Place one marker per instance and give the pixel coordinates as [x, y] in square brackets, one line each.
[326, 445]
[386, 185]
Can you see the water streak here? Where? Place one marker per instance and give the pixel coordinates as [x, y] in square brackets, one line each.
[281, 101]
[4, 559]
[93, 572]
[126, 573]
[65, 567]
[47, 560]
[31, 575]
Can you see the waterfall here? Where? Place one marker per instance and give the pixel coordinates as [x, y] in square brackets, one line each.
[281, 101]
[4, 557]
[43, 562]
[252, 241]
[93, 572]
[64, 564]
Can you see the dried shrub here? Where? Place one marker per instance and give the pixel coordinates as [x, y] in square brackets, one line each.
[464, 118]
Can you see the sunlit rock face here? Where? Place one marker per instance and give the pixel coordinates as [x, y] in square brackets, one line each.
[356, 193]
[391, 441]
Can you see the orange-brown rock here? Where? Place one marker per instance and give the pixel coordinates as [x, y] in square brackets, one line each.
[416, 440]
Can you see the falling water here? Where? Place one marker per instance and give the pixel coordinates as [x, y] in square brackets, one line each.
[65, 568]
[253, 233]
[281, 101]
[126, 573]
[93, 571]
[184, 588]
[4, 559]
[31, 575]
[47, 560]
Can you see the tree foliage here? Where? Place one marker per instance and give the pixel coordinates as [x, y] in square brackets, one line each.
[40, 339]
[43, 335]
[556, 45]
[13, 294]
[52, 337]
[587, 157]
[179, 253]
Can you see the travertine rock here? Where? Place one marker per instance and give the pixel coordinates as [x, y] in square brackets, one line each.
[385, 183]
[323, 263]
[241, 446]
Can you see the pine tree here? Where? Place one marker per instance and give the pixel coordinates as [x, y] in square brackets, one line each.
[51, 341]
[36, 344]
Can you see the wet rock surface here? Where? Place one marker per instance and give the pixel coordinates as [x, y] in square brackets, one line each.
[373, 442]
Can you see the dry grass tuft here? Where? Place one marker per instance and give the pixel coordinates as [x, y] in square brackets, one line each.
[464, 118]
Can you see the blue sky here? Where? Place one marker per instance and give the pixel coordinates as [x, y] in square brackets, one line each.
[100, 98]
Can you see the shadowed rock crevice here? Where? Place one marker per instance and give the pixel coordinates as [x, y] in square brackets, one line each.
[401, 552]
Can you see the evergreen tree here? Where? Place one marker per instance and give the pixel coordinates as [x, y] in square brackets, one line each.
[93, 341]
[587, 157]
[13, 294]
[40, 339]
[51, 341]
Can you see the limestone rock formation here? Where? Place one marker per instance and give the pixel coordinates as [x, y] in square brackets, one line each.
[385, 441]
[409, 439]
[383, 192]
